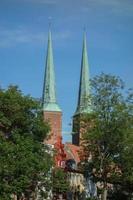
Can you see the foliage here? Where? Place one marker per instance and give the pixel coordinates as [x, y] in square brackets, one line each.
[24, 161]
[108, 142]
[60, 182]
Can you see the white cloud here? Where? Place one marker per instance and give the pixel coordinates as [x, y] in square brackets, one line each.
[48, 2]
[45, 2]
[115, 6]
[11, 37]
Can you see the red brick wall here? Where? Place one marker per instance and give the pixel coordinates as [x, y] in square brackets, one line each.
[55, 121]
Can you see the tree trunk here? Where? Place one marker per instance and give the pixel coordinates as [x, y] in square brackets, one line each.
[14, 197]
[104, 194]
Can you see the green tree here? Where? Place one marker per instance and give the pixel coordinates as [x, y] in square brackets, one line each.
[60, 182]
[108, 140]
[24, 159]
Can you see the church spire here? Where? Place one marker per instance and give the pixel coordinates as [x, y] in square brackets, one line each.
[84, 87]
[49, 100]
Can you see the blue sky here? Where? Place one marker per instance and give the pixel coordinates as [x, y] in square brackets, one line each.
[23, 42]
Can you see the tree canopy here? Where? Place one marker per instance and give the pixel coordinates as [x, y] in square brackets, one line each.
[108, 141]
[60, 182]
[24, 159]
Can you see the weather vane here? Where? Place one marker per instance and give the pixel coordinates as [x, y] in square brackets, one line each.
[84, 28]
[50, 21]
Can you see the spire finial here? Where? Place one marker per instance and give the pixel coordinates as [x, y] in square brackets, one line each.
[84, 37]
[84, 29]
[50, 22]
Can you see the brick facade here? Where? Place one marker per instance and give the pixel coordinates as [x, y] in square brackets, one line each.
[55, 121]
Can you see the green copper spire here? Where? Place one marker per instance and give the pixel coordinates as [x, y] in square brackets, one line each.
[84, 87]
[49, 94]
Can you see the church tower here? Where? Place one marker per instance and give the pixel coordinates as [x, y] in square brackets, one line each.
[83, 106]
[51, 110]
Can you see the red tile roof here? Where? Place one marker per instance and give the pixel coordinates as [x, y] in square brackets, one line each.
[72, 152]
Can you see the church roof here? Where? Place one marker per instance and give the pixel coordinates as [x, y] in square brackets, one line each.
[84, 86]
[72, 152]
[49, 100]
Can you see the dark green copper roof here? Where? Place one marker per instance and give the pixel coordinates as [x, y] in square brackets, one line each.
[84, 86]
[49, 100]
